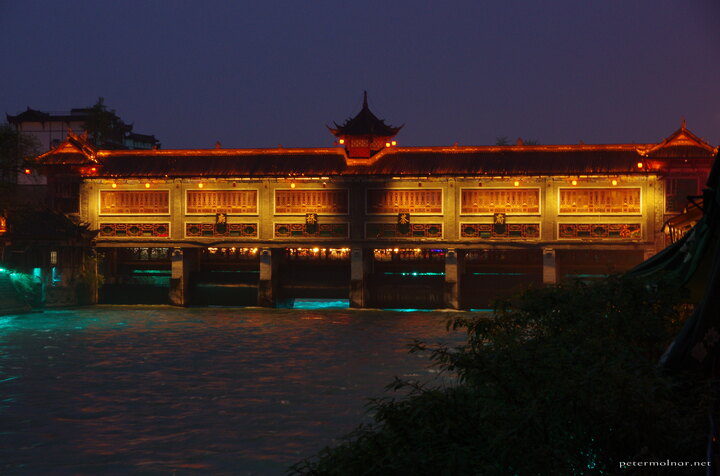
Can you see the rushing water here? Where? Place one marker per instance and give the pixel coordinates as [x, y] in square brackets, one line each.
[160, 390]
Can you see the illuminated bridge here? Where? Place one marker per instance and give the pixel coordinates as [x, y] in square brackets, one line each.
[369, 221]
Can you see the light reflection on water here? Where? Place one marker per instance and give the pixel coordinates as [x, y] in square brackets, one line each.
[158, 390]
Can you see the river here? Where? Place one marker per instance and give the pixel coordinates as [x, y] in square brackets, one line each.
[162, 390]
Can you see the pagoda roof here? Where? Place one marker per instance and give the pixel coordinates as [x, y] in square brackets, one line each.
[364, 123]
[681, 144]
[75, 150]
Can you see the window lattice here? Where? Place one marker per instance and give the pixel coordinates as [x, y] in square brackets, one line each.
[500, 200]
[600, 200]
[222, 201]
[134, 202]
[411, 201]
[311, 201]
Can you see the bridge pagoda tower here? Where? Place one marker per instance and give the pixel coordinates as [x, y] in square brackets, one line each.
[365, 134]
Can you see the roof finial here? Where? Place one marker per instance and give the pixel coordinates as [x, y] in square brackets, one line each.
[683, 123]
[365, 99]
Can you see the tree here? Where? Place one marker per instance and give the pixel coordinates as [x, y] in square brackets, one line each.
[504, 140]
[563, 382]
[104, 127]
[14, 147]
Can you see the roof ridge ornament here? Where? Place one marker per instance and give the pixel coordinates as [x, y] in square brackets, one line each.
[682, 124]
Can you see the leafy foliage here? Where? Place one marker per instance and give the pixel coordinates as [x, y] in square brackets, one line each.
[14, 147]
[29, 287]
[564, 381]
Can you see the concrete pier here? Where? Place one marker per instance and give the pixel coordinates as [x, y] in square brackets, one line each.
[181, 263]
[360, 268]
[549, 266]
[453, 271]
[266, 285]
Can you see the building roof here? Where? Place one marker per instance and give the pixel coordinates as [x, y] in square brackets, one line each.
[680, 144]
[528, 160]
[364, 123]
[32, 115]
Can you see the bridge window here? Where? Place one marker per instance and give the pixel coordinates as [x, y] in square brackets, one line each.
[300, 201]
[222, 201]
[500, 200]
[606, 201]
[412, 201]
[134, 202]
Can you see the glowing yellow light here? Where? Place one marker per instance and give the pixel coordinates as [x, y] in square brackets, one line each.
[396, 250]
[114, 185]
[614, 182]
[315, 250]
[93, 170]
[147, 185]
[574, 182]
[517, 184]
[292, 185]
[394, 143]
[640, 165]
[201, 185]
[387, 144]
[28, 171]
[342, 141]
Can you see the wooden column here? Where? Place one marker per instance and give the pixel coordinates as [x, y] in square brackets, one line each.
[549, 267]
[453, 271]
[360, 268]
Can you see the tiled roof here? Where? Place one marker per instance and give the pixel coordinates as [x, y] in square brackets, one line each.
[208, 164]
[390, 161]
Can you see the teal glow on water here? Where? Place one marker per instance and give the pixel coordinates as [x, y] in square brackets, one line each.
[321, 304]
[162, 390]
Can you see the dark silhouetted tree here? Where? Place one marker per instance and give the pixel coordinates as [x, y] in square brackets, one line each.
[104, 127]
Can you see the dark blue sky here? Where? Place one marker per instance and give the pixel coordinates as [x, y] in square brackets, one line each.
[257, 74]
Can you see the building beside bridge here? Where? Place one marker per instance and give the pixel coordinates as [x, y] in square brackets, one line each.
[368, 220]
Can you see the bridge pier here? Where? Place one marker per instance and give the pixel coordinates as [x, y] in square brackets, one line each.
[453, 271]
[360, 267]
[181, 265]
[268, 277]
[549, 266]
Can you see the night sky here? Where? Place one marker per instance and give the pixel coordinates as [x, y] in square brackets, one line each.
[259, 74]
